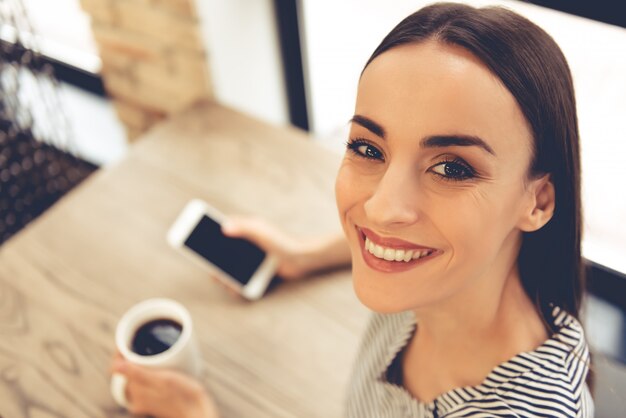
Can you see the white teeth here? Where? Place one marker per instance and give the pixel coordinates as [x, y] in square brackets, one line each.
[419, 254]
[399, 255]
[424, 253]
[390, 254]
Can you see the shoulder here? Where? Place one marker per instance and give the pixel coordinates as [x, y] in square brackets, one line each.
[537, 397]
[525, 403]
[550, 380]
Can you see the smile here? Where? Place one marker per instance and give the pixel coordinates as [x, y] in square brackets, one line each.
[392, 255]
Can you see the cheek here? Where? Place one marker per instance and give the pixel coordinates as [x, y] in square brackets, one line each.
[477, 225]
[342, 189]
[350, 188]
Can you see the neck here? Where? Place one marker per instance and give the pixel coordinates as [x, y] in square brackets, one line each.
[459, 341]
[480, 314]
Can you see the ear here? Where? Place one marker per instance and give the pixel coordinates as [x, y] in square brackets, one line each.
[540, 206]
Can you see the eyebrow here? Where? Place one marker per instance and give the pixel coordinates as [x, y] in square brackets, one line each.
[369, 124]
[433, 141]
[456, 140]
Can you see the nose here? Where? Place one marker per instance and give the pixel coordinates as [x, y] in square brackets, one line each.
[394, 202]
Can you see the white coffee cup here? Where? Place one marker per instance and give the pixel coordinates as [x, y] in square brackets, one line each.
[183, 355]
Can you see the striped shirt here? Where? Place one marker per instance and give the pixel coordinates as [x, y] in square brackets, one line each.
[546, 382]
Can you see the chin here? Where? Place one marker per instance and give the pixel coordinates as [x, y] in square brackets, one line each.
[379, 300]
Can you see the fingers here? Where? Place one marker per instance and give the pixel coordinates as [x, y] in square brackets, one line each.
[117, 363]
[141, 387]
[163, 393]
[260, 232]
[295, 256]
[130, 370]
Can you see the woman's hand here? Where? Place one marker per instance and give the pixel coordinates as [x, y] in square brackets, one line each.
[163, 393]
[297, 258]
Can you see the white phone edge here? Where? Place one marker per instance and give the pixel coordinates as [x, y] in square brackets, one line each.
[182, 227]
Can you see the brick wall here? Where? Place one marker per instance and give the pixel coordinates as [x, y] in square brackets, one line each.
[153, 59]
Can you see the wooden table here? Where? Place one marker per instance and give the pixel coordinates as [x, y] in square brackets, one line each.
[68, 277]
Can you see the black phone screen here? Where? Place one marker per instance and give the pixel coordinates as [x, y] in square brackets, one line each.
[235, 256]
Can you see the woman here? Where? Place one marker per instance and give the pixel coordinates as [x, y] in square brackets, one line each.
[459, 195]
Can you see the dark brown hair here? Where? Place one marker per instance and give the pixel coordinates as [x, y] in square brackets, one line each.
[532, 67]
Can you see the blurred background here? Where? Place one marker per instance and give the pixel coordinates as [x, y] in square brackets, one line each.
[82, 80]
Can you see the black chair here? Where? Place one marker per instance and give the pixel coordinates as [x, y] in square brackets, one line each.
[33, 174]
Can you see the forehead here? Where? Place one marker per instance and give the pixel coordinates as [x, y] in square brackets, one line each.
[432, 88]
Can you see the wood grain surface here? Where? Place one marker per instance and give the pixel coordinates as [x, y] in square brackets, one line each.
[69, 276]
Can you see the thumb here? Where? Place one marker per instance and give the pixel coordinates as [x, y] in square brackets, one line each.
[132, 371]
[256, 230]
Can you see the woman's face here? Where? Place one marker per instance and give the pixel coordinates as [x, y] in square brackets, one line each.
[435, 172]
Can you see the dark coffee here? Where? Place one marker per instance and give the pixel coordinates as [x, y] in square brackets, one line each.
[156, 336]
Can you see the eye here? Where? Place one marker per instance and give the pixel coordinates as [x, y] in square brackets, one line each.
[364, 149]
[456, 169]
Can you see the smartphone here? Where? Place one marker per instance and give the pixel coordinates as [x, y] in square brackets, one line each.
[239, 263]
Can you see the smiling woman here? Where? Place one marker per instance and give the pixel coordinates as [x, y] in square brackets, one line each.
[459, 195]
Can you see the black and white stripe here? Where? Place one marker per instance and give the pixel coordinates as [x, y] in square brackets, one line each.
[546, 382]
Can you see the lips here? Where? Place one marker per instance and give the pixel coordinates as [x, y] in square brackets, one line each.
[391, 255]
[394, 243]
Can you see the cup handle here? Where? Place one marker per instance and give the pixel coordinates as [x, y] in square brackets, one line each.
[118, 389]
